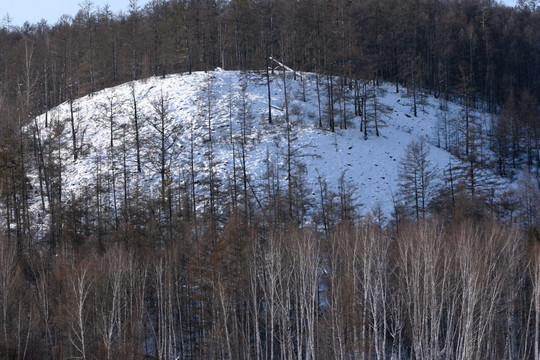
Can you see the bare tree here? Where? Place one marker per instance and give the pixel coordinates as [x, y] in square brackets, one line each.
[110, 302]
[306, 260]
[484, 268]
[136, 125]
[534, 269]
[168, 132]
[79, 282]
[164, 330]
[8, 283]
[424, 267]
[416, 174]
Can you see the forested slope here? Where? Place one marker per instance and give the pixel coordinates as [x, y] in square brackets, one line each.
[272, 180]
[476, 47]
[202, 144]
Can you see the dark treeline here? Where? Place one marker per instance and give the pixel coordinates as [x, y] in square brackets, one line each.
[432, 291]
[474, 46]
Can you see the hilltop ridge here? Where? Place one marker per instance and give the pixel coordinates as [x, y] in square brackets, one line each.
[218, 120]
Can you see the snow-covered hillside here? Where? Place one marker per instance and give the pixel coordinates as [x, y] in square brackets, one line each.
[205, 116]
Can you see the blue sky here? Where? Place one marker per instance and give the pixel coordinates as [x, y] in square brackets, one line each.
[51, 10]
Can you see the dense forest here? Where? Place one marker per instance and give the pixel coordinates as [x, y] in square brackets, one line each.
[453, 274]
[476, 47]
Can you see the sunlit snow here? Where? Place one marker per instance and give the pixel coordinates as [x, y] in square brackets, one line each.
[371, 164]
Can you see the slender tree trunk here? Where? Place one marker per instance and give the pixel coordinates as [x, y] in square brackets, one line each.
[72, 122]
[136, 124]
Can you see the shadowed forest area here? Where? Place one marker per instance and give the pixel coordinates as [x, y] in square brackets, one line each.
[454, 291]
[453, 274]
[473, 47]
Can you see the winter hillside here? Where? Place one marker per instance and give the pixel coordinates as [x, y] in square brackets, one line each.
[194, 132]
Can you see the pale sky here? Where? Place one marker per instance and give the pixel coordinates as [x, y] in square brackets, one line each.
[51, 10]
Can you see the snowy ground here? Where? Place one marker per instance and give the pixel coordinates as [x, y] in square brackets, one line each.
[192, 100]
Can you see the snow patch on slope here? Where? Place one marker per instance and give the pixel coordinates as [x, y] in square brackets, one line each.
[227, 98]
